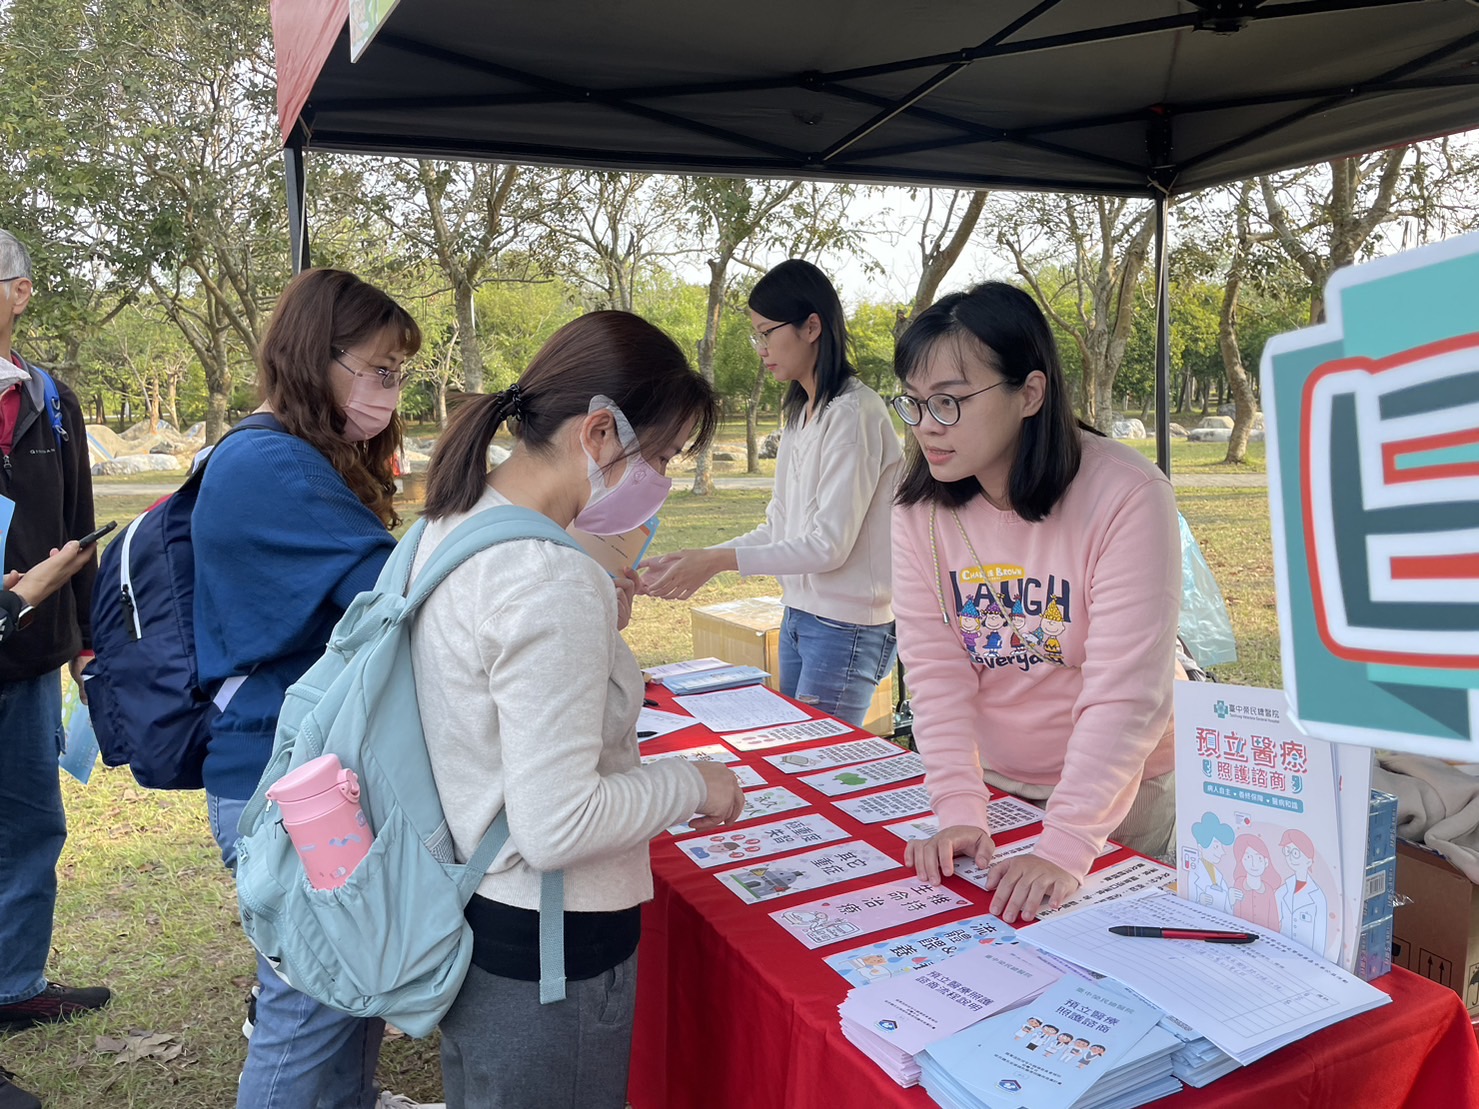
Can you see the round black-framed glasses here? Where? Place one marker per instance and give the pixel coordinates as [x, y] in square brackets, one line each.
[944, 407]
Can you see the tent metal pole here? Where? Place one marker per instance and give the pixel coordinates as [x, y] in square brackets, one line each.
[1162, 336]
[297, 188]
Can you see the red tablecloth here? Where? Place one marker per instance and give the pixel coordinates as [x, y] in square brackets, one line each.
[733, 1013]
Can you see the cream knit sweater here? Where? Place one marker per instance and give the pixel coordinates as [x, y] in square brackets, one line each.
[529, 698]
[826, 534]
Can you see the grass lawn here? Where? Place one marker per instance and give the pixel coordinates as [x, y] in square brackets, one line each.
[145, 906]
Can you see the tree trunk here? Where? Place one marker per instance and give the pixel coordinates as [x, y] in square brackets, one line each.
[938, 260]
[752, 413]
[703, 478]
[174, 402]
[218, 389]
[1104, 403]
[1227, 334]
[467, 335]
[151, 395]
[442, 405]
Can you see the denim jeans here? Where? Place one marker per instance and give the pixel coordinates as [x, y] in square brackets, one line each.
[302, 1055]
[32, 830]
[833, 666]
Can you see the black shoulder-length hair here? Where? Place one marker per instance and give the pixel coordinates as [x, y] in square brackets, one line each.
[1004, 328]
[790, 293]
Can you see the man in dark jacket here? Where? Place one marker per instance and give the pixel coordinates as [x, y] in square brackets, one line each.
[44, 471]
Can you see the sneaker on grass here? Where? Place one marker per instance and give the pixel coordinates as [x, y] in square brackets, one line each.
[56, 1002]
[389, 1100]
[12, 1096]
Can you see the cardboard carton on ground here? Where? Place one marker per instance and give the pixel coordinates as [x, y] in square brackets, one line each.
[1436, 933]
[748, 633]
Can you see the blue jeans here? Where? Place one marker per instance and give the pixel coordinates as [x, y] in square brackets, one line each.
[833, 666]
[32, 830]
[302, 1055]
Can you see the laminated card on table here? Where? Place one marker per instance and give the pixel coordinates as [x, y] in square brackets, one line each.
[709, 752]
[836, 754]
[850, 779]
[891, 804]
[758, 803]
[725, 847]
[1003, 814]
[738, 710]
[902, 955]
[826, 866]
[789, 735]
[845, 915]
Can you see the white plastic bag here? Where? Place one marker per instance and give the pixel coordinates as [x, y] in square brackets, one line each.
[1205, 626]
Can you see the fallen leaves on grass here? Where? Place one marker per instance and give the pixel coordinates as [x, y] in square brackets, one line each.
[135, 1047]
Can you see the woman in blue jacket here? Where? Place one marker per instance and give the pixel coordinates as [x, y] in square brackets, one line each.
[289, 526]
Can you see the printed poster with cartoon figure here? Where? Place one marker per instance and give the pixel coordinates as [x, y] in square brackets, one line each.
[1009, 618]
[1257, 815]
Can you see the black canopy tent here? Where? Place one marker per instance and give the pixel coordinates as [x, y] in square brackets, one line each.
[1129, 97]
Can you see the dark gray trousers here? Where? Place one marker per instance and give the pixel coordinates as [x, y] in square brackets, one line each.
[502, 1049]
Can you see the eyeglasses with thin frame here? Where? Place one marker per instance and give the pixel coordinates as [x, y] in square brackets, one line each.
[389, 379]
[17, 277]
[944, 407]
[760, 340]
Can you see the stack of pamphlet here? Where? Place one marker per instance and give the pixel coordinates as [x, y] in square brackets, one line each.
[1081, 1045]
[892, 1021]
[1199, 1062]
[1246, 999]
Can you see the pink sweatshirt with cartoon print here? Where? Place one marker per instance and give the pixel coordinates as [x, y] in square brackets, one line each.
[1053, 661]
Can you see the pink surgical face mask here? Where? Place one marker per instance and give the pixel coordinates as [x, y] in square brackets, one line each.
[633, 500]
[368, 408]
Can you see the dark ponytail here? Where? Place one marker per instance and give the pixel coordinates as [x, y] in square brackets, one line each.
[613, 354]
[459, 468]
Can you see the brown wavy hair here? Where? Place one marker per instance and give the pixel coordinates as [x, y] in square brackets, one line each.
[321, 311]
[616, 354]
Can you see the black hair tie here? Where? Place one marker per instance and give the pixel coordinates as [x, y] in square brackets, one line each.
[514, 399]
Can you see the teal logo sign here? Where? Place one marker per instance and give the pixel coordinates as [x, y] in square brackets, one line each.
[1373, 426]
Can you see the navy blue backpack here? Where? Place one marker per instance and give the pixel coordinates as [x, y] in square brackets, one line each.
[147, 704]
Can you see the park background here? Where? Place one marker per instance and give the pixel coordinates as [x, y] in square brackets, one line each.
[139, 161]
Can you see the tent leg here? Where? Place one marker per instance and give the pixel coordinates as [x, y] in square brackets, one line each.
[297, 188]
[1162, 338]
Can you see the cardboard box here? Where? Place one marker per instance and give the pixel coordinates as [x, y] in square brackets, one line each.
[1436, 934]
[745, 632]
[748, 633]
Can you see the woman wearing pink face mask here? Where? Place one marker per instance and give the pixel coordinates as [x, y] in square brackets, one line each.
[529, 698]
[293, 521]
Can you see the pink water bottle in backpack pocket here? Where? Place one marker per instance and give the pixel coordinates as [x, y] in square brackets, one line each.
[322, 815]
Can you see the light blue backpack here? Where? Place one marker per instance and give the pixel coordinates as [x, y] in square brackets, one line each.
[392, 941]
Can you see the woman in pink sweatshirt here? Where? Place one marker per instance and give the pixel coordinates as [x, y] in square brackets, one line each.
[1009, 505]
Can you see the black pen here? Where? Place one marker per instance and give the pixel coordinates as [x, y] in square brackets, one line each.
[1137, 932]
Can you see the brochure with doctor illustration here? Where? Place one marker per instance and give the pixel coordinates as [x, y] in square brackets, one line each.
[1048, 1052]
[1258, 832]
